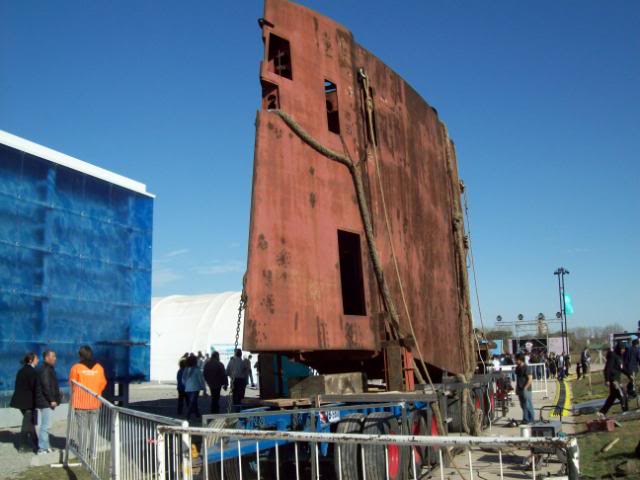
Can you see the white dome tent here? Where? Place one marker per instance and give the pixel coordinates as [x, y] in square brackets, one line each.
[191, 323]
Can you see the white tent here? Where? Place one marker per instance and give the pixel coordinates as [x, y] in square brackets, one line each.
[191, 323]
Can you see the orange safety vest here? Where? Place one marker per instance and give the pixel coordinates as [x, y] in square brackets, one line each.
[92, 378]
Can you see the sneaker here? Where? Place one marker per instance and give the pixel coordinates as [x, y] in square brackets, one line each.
[43, 451]
[600, 416]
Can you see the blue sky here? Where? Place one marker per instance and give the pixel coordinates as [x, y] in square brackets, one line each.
[542, 99]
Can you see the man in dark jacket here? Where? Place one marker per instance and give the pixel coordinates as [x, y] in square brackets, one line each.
[613, 369]
[24, 399]
[48, 397]
[632, 359]
[216, 377]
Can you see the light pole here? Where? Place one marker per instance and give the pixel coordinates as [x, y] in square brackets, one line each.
[561, 272]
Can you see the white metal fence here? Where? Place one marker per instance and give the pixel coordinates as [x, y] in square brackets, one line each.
[118, 443]
[538, 372]
[540, 382]
[258, 454]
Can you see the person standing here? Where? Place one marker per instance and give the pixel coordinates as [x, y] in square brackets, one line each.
[632, 359]
[216, 377]
[247, 364]
[585, 361]
[613, 369]
[524, 379]
[193, 383]
[89, 374]
[24, 399]
[48, 397]
[182, 395]
[237, 370]
[560, 367]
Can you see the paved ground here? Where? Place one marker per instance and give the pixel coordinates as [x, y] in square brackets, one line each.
[151, 397]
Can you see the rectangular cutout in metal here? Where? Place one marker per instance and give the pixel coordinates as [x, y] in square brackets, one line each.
[351, 279]
[279, 57]
[331, 99]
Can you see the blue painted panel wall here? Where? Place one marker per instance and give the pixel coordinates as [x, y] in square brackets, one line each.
[75, 268]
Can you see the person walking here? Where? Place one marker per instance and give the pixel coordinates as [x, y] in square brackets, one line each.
[48, 397]
[237, 370]
[182, 395]
[89, 374]
[216, 377]
[613, 369]
[24, 399]
[193, 384]
[524, 379]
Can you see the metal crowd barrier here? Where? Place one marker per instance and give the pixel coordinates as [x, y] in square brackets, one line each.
[540, 383]
[118, 443]
[538, 371]
[266, 454]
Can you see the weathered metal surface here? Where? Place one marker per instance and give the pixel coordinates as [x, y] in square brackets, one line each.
[301, 199]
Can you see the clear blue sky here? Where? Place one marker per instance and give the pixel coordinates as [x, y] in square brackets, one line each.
[542, 99]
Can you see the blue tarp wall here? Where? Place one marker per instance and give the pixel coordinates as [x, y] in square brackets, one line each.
[75, 268]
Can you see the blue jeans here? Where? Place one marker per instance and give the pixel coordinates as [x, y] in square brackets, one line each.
[527, 406]
[192, 404]
[44, 420]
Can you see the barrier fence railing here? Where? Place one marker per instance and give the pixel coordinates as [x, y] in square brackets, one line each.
[540, 382]
[265, 454]
[117, 443]
[538, 372]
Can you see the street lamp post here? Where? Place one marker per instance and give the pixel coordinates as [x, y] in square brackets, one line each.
[561, 272]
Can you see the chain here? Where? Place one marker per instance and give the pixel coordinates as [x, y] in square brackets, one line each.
[241, 307]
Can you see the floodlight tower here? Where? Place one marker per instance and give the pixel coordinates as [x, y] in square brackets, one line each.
[561, 272]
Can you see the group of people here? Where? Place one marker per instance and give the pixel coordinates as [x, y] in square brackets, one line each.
[549, 364]
[197, 372]
[37, 394]
[622, 360]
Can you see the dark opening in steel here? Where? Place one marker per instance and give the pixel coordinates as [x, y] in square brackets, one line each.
[270, 96]
[331, 97]
[279, 57]
[353, 302]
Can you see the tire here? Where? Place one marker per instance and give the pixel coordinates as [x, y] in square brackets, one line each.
[231, 467]
[374, 455]
[348, 461]
[418, 425]
[454, 410]
[231, 470]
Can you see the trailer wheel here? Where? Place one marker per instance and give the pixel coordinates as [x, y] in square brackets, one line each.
[454, 409]
[374, 455]
[346, 464]
[418, 425]
[231, 470]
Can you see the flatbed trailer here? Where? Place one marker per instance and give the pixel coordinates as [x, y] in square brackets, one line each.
[406, 413]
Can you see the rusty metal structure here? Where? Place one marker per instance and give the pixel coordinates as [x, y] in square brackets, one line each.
[357, 251]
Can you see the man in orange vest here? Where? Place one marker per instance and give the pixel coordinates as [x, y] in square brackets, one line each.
[90, 374]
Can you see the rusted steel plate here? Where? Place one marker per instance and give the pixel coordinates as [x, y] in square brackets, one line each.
[301, 199]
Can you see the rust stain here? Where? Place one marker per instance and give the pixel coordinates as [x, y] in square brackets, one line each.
[283, 259]
[262, 242]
